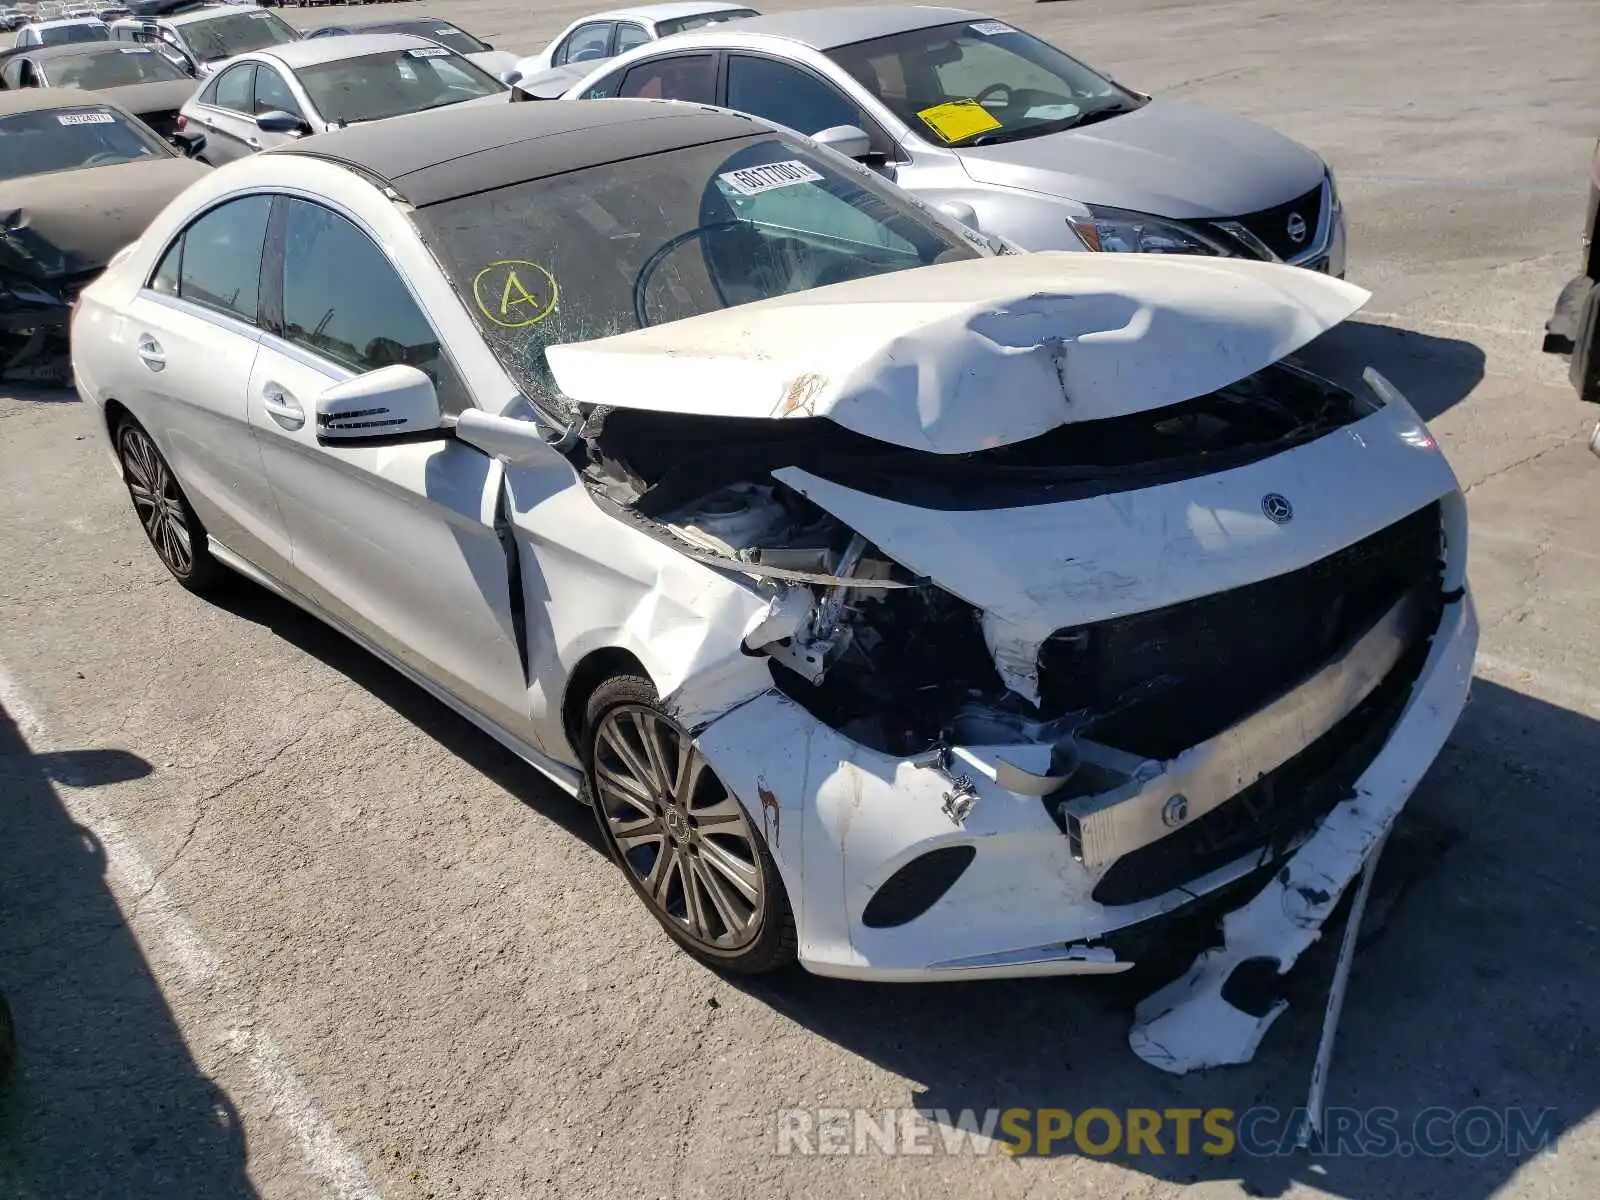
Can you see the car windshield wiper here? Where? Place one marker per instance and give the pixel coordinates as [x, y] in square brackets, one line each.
[1094, 115]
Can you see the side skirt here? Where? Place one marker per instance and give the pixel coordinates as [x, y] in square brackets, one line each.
[568, 779]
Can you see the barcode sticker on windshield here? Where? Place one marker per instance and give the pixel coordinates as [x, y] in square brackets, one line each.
[261, 16]
[429, 52]
[990, 28]
[134, 50]
[752, 181]
[89, 118]
[444, 32]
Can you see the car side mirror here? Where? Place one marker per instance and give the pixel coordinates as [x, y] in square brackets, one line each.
[510, 439]
[960, 210]
[849, 140]
[190, 143]
[510, 78]
[278, 121]
[385, 403]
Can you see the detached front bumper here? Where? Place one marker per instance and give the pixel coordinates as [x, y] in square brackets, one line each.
[842, 821]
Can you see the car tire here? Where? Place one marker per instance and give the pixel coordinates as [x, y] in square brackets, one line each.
[1584, 368]
[719, 894]
[8, 1040]
[178, 537]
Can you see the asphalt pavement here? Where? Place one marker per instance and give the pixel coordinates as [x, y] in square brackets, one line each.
[273, 923]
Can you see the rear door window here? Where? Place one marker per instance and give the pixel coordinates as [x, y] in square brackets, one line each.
[216, 262]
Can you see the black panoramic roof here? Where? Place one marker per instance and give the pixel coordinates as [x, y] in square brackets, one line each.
[430, 157]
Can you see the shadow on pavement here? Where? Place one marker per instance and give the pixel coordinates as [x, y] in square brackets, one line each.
[38, 393]
[104, 1099]
[456, 734]
[1434, 373]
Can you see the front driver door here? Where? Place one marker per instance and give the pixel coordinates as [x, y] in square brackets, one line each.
[400, 541]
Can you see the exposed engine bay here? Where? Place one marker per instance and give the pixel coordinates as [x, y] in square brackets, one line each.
[901, 665]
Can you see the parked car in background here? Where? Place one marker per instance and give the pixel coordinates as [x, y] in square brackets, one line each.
[1574, 328]
[918, 611]
[496, 62]
[261, 100]
[1006, 132]
[207, 34]
[12, 19]
[601, 35]
[80, 178]
[56, 33]
[149, 85]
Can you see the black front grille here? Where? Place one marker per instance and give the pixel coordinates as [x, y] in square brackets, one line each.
[1272, 225]
[1283, 804]
[1155, 683]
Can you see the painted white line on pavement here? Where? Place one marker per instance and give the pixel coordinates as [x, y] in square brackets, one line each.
[167, 937]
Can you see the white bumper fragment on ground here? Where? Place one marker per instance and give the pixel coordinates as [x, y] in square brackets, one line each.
[1188, 1025]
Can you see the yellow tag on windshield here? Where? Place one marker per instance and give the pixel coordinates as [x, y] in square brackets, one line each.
[958, 119]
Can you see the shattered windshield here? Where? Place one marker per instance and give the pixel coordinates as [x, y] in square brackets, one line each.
[980, 82]
[112, 67]
[618, 247]
[376, 86]
[235, 33]
[69, 139]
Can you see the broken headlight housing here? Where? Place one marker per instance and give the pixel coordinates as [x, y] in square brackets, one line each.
[1117, 229]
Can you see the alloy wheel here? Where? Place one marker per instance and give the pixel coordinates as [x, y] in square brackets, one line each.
[157, 500]
[680, 832]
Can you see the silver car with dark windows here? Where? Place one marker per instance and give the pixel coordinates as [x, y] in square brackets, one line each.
[1005, 132]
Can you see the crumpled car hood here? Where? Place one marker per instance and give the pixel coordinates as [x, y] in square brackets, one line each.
[71, 222]
[970, 355]
[1033, 570]
[1170, 158]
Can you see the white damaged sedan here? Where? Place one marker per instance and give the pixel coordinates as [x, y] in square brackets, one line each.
[918, 611]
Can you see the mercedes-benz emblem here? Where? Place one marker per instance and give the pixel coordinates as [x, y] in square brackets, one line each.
[1297, 228]
[1278, 509]
[1175, 811]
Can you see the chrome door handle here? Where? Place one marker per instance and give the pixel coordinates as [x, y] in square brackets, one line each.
[282, 407]
[151, 353]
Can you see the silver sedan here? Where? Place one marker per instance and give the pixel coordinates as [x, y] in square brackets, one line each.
[264, 99]
[1005, 132]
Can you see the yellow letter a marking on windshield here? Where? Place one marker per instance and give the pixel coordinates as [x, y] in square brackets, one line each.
[523, 296]
[519, 307]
